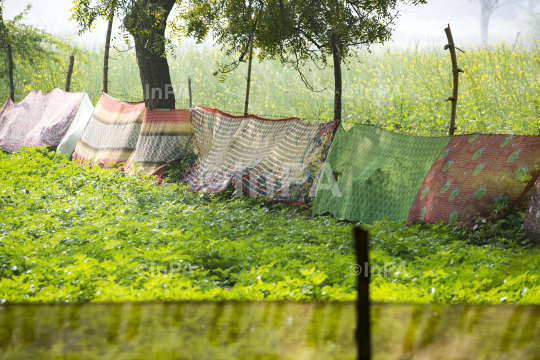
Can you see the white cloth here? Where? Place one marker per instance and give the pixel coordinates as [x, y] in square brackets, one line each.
[84, 113]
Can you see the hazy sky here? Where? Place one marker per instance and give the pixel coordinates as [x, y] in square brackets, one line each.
[422, 24]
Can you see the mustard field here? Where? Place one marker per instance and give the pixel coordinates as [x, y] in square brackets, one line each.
[401, 90]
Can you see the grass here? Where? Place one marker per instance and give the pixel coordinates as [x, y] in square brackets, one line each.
[402, 90]
[73, 233]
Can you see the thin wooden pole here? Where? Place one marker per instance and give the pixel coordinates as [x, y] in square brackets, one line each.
[11, 85]
[249, 72]
[106, 54]
[334, 43]
[69, 72]
[455, 70]
[189, 89]
[363, 324]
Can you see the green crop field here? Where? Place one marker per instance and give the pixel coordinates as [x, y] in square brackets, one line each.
[401, 90]
[71, 233]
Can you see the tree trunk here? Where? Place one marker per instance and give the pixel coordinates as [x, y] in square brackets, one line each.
[486, 9]
[484, 23]
[146, 23]
[334, 43]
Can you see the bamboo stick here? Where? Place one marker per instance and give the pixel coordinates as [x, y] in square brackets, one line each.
[11, 85]
[249, 73]
[69, 72]
[106, 54]
[334, 43]
[189, 89]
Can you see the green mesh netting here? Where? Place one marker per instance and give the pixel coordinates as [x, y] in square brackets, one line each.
[378, 173]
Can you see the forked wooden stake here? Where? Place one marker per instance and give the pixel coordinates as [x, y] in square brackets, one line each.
[455, 70]
[363, 324]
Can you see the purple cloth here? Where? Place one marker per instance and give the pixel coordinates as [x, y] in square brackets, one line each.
[39, 120]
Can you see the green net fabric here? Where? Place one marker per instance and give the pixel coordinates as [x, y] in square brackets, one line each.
[378, 173]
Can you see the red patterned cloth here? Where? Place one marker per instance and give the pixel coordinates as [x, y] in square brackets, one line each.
[477, 176]
[165, 136]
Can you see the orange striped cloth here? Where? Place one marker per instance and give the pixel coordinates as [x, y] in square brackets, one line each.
[165, 136]
[112, 133]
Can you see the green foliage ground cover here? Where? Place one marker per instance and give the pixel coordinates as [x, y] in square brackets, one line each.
[72, 233]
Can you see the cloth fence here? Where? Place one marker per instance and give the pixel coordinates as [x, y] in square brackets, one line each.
[84, 113]
[477, 176]
[278, 159]
[165, 136]
[111, 135]
[41, 119]
[378, 173]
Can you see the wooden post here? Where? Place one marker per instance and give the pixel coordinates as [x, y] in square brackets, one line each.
[11, 85]
[455, 71]
[363, 324]
[249, 72]
[189, 89]
[106, 54]
[334, 43]
[69, 72]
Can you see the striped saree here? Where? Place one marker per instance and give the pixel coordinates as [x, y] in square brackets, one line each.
[112, 133]
[165, 136]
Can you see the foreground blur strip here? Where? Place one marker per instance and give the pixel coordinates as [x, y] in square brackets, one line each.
[265, 330]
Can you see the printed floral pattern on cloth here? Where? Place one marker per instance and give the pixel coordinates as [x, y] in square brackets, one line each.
[477, 176]
[279, 159]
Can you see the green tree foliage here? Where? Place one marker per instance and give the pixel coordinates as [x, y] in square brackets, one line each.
[147, 18]
[145, 21]
[28, 44]
[295, 32]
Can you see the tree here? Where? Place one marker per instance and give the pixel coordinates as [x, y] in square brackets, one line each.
[487, 7]
[145, 21]
[295, 32]
[28, 44]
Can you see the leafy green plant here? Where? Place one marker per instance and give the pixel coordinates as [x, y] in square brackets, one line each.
[78, 233]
